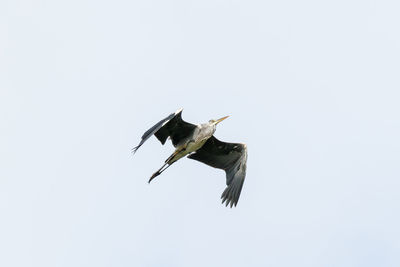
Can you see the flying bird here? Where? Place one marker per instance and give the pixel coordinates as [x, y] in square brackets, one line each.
[198, 142]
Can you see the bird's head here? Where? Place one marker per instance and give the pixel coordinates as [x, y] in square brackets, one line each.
[215, 122]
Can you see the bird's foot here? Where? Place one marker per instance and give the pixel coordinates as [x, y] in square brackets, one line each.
[154, 176]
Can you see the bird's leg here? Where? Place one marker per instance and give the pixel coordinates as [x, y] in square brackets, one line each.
[170, 160]
[157, 173]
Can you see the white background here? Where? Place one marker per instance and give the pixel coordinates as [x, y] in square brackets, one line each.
[312, 88]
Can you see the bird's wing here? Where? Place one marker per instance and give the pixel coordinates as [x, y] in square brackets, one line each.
[172, 126]
[232, 158]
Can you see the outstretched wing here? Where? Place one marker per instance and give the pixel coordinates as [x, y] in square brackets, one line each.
[172, 126]
[232, 158]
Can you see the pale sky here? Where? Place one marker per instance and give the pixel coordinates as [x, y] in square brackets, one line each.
[312, 88]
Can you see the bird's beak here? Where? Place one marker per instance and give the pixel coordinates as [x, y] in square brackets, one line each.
[219, 120]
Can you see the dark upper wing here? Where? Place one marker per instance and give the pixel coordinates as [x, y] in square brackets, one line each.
[172, 126]
[232, 158]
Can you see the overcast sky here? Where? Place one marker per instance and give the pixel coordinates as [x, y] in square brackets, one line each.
[312, 88]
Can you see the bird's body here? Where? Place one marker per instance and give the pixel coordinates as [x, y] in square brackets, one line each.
[198, 142]
[194, 141]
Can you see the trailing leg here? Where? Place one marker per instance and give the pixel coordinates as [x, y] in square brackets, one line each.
[157, 173]
[169, 161]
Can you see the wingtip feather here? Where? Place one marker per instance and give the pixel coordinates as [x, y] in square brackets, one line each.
[178, 111]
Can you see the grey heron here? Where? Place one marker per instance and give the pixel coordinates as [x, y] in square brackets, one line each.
[198, 142]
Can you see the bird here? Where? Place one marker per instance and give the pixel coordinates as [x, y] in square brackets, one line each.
[198, 142]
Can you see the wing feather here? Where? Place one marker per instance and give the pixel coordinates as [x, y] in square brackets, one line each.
[230, 157]
[172, 126]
